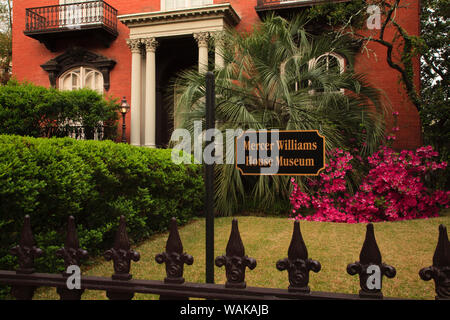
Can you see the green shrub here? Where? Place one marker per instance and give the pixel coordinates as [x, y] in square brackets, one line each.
[21, 108]
[30, 110]
[96, 182]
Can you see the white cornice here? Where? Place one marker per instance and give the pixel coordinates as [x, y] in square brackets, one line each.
[224, 11]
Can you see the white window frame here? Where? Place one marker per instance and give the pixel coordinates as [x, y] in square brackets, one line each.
[187, 4]
[340, 60]
[84, 73]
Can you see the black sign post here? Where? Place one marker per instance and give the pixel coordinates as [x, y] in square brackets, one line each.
[209, 180]
[270, 152]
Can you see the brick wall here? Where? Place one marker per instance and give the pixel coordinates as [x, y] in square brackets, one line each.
[380, 75]
[29, 54]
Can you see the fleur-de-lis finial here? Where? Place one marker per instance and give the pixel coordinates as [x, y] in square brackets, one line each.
[174, 257]
[26, 251]
[297, 263]
[235, 260]
[440, 270]
[370, 267]
[121, 253]
[71, 252]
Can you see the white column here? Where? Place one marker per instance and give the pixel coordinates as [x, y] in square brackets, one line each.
[202, 41]
[218, 50]
[150, 89]
[135, 112]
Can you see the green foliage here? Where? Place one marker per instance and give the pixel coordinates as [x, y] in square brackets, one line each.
[5, 15]
[432, 45]
[27, 109]
[338, 14]
[267, 83]
[96, 182]
[21, 108]
[5, 40]
[5, 56]
[435, 86]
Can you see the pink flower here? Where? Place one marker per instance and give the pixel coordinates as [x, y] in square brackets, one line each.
[392, 190]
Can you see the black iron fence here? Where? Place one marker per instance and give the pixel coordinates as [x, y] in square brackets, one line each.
[75, 15]
[121, 286]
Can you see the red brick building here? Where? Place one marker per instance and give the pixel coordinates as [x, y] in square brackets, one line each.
[132, 47]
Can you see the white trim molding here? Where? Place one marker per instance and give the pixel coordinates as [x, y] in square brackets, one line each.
[209, 18]
[202, 23]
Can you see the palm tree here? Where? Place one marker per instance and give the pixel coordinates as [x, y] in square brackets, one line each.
[281, 77]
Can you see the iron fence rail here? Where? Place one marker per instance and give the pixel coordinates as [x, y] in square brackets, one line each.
[120, 286]
[187, 289]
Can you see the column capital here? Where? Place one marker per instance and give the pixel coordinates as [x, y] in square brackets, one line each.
[218, 36]
[134, 45]
[150, 44]
[202, 38]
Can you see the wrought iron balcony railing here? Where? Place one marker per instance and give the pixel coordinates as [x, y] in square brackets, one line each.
[71, 16]
[92, 19]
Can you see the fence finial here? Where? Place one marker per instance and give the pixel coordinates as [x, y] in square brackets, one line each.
[71, 252]
[121, 254]
[370, 267]
[440, 270]
[26, 251]
[174, 257]
[235, 260]
[297, 263]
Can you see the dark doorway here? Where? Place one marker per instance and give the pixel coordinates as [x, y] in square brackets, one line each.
[172, 55]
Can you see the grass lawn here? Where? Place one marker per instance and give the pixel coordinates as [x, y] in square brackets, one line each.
[407, 245]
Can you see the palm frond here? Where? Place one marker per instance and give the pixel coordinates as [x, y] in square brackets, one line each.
[269, 81]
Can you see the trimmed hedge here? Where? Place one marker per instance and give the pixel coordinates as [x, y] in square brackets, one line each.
[96, 182]
[30, 110]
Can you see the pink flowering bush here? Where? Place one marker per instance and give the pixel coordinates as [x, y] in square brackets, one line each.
[392, 190]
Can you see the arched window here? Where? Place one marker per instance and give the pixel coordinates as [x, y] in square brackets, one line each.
[81, 77]
[332, 62]
[78, 78]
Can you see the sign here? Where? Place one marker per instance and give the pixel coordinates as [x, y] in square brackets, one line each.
[280, 152]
